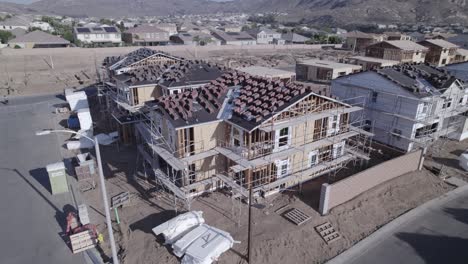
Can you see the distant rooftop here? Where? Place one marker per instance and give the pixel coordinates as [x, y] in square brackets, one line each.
[145, 29]
[406, 45]
[329, 64]
[233, 36]
[441, 43]
[359, 34]
[97, 30]
[39, 37]
[372, 59]
[267, 72]
[119, 62]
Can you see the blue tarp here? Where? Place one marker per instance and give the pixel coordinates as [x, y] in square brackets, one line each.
[73, 122]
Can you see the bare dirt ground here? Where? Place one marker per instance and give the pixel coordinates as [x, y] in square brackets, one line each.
[275, 239]
[444, 155]
[38, 71]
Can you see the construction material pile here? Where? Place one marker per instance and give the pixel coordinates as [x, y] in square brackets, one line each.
[192, 239]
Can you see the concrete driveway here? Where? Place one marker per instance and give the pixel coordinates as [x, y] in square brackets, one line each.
[32, 220]
[436, 232]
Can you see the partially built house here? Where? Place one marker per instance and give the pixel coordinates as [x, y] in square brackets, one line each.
[201, 127]
[243, 132]
[135, 80]
[409, 106]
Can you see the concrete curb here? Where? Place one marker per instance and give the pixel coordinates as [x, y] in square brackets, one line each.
[364, 245]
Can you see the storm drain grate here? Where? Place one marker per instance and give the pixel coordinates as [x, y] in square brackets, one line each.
[296, 216]
[327, 232]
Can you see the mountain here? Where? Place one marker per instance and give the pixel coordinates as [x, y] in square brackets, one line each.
[320, 11]
[15, 8]
[358, 11]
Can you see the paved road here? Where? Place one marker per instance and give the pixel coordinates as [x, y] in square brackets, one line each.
[31, 218]
[436, 234]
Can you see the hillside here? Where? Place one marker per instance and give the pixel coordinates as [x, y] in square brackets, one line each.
[320, 11]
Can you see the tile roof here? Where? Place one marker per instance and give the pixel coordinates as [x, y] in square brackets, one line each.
[250, 100]
[182, 73]
[39, 37]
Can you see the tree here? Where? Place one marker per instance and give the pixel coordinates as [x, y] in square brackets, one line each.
[34, 29]
[5, 36]
[106, 21]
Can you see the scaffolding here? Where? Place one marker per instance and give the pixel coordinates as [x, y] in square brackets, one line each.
[259, 159]
[248, 167]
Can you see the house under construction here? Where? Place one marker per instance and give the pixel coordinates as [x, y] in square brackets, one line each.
[233, 130]
[409, 106]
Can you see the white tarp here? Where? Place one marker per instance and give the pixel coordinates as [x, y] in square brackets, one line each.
[103, 139]
[178, 226]
[84, 116]
[76, 100]
[464, 160]
[208, 245]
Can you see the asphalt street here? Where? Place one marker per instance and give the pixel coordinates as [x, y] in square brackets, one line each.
[434, 234]
[32, 219]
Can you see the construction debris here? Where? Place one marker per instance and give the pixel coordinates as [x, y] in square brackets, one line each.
[464, 160]
[82, 241]
[178, 226]
[196, 242]
[296, 216]
[120, 199]
[327, 232]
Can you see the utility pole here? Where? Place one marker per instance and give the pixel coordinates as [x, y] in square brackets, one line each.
[249, 239]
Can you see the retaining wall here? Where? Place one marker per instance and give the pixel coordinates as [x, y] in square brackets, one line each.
[342, 191]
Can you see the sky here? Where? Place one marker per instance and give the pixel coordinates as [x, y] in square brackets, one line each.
[19, 1]
[30, 1]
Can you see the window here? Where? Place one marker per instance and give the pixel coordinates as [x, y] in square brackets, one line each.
[426, 130]
[338, 150]
[333, 125]
[447, 103]
[374, 97]
[425, 108]
[283, 168]
[236, 137]
[368, 125]
[334, 122]
[313, 158]
[283, 137]
[192, 174]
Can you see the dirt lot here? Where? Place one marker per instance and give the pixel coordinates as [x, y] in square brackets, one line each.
[444, 155]
[37, 71]
[275, 240]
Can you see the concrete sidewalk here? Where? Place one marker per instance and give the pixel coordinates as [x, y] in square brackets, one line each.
[435, 232]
